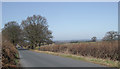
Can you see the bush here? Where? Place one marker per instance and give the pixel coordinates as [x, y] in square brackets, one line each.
[104, 49]
[9, 54]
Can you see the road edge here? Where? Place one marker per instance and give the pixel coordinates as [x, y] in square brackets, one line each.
[104, 62]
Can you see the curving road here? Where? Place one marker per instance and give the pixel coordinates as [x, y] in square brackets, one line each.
[34, 59]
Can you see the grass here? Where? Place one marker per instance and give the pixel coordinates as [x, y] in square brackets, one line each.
[105, 62]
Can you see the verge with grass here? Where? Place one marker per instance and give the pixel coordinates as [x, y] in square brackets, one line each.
[106, 62]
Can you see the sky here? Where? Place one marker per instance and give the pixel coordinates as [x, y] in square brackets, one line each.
[67, 20]
[60, 0]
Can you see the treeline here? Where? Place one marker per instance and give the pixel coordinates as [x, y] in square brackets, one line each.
[109, 36]
[31, 32]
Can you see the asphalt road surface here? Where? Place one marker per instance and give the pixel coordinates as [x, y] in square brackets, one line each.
[34, 59]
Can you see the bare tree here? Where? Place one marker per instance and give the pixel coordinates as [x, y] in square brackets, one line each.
[111, 35]
[12, 31]
[36, 31]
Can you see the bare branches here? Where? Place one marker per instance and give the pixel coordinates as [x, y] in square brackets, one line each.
[12, 32]
[111, 35]
[36, 30]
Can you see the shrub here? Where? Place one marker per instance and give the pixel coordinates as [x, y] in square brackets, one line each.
[104, 49]
[9, 54]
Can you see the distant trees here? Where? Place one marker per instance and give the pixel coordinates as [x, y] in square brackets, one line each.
[12, 32]
[74, 41]
[94, 39]
[111, 35]
[36, 31]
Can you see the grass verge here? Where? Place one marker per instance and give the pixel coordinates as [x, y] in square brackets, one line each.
[105, 62]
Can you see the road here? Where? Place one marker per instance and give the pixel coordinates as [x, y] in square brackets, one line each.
[34, 59]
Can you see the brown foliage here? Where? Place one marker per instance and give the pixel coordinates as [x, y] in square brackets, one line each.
[9, 54]
[105, 49]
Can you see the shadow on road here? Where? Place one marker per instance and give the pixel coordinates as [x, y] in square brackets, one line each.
[23, 49]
